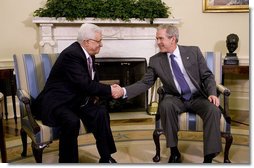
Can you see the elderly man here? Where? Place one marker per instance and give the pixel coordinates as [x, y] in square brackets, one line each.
[70, 94]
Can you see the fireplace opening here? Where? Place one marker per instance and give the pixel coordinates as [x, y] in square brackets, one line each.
[123, 71]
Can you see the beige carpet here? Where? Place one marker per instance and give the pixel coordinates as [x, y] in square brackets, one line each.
[135, 145]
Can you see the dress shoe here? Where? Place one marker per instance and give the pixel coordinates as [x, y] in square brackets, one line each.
[209, 158]
[110, 160]
[175, 159]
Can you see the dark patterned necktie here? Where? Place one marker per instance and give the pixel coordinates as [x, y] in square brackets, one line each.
[90, 66]
[185, 89]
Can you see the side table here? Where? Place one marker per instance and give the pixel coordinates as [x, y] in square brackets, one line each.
[7, 75]
[235, 70]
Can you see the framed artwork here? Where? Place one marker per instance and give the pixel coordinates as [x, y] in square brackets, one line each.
[225, 5]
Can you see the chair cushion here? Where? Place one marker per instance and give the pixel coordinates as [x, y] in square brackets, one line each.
[192, 122]
[48, 134]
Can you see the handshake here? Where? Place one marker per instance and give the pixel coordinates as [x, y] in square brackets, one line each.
[117, 91]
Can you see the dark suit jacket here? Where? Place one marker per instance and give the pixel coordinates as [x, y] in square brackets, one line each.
[68, 84]
[159, 66]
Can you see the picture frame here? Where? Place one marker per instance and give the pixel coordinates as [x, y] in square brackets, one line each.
[223, 6]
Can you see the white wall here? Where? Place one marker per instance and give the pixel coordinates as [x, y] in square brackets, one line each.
[207, 30]
[18, 33]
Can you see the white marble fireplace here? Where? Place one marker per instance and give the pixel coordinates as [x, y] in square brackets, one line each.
[120, 39]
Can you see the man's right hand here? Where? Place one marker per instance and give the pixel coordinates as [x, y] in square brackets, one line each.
[116, 91]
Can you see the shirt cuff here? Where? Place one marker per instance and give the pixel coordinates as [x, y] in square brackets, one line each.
[124, 93]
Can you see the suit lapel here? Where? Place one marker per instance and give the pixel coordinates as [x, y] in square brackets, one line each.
[165, 66]
[187, 59]
[185, 55]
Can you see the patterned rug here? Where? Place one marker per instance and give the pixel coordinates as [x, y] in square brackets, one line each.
[135, 145]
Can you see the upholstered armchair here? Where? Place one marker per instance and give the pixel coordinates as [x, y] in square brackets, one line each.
[192, 122]
[31, 74]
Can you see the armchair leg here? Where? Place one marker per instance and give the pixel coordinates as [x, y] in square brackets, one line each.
[24, 142]
[37, 152]
[156, 139]
[229, 140]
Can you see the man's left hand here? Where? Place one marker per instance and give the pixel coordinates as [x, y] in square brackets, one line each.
[214, 99]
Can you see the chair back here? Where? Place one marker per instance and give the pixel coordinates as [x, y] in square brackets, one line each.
[214, 63]
[32, 72]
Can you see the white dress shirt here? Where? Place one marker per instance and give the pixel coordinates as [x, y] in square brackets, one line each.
[178, 59]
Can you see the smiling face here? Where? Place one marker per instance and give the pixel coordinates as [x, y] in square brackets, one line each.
[165, 43]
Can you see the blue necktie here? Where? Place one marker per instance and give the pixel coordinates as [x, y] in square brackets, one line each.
[185, 89]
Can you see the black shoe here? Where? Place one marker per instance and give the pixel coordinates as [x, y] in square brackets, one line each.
[209, 158]
[110, 160]
[175, 159]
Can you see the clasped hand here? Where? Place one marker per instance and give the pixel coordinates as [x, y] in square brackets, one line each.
[116, 91]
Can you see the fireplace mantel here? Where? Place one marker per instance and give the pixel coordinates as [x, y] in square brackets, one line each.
[134, 38]
[62, 20]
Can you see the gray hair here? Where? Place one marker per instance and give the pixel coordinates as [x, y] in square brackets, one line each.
[87, 31]
[171, 30]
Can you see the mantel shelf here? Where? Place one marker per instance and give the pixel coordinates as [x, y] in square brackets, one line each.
[63, 20]
[118, 36]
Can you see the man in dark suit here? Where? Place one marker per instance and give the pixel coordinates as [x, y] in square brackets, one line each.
[70, 95]
[189, 86]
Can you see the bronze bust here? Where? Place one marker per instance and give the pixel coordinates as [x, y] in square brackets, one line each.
[232, 44]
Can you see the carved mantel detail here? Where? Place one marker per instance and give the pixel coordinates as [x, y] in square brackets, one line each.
[134, 38]
[47, 42]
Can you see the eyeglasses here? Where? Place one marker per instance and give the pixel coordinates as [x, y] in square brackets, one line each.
[97, 41]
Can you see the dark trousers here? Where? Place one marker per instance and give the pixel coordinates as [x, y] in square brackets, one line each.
[96, 120]
[170, 107]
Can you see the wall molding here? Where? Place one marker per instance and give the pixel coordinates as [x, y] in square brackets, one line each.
[6, 64]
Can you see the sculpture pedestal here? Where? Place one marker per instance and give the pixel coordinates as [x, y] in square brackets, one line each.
[231, 59]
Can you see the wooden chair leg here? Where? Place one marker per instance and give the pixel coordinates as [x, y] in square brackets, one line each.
[24, 142]
[229, 140]
[37, 152]
[2, 140]
[156, 139]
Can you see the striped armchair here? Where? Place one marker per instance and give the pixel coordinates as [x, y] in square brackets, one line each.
[31, 74]
[192, 122]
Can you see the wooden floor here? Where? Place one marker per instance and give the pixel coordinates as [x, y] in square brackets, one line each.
[11, 129]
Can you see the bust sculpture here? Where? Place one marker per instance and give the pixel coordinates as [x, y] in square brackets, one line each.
[232, 44]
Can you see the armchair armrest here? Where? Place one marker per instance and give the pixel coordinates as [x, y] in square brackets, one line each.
[26, 114]
[223, 90]
[161, 93]
[226, 93]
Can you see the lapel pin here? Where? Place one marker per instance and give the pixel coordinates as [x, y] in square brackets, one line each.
[187, 57]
